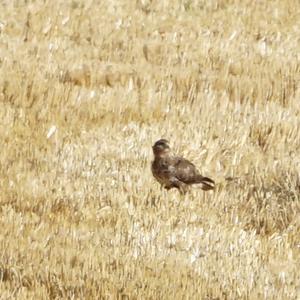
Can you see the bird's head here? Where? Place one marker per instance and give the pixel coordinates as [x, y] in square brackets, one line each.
[161, 148]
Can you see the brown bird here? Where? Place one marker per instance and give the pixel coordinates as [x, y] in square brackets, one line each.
[176, 172]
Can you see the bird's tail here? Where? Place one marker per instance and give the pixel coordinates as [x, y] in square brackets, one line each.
[206, 183]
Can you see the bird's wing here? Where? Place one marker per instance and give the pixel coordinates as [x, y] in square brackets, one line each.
[184, 170]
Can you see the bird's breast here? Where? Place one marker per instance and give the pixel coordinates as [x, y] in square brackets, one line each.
[161, 170]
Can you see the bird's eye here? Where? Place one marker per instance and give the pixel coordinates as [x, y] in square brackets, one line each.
[161, 145]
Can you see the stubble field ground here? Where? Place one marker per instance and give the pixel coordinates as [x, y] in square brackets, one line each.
[86, 87]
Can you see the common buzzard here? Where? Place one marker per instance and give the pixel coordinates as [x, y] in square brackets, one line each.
[174, 171]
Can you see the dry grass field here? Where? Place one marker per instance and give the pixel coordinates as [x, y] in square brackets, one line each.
[86, 88]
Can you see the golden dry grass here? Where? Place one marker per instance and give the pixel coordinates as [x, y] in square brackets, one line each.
[86, 87]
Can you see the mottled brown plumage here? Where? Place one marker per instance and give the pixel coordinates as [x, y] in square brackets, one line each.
[176, 172]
